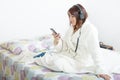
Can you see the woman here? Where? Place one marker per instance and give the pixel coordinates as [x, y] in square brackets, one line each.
[78, 51]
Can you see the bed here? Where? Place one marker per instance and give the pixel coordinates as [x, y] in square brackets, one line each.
[16, 58]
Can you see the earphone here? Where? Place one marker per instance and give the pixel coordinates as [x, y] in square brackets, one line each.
[77, 41]
[77, 44]
[81, 14]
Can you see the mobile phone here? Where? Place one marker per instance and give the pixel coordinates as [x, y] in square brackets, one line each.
[53, 30]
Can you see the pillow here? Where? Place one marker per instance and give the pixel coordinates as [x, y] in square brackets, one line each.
[15, 47]
[18, 46]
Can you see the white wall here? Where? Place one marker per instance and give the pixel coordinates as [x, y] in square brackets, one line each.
[32, 18]
[105, 14]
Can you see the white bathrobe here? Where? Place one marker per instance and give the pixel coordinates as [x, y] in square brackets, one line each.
[89, 57]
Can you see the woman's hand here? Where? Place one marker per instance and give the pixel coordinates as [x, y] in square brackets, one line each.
[105, 76]
[56, 38]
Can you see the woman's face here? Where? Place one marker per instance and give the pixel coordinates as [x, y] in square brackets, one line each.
[72, 19]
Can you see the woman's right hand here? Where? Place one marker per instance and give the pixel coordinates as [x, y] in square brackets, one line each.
[56, 38]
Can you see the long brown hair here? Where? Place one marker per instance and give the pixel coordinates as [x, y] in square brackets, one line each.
[74, 10]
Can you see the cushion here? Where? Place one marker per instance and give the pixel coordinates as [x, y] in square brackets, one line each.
[35, 45]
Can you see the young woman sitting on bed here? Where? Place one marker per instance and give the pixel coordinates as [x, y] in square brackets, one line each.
[79, 50]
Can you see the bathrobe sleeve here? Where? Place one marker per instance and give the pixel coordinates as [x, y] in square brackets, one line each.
[61, 46]
[94, 49]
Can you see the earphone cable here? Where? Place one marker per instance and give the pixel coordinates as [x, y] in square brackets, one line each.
[78, 41]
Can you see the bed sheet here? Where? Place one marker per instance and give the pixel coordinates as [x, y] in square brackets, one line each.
[15, 67]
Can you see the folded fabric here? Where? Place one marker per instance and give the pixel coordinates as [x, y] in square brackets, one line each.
[35, 45]
[13, 47]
